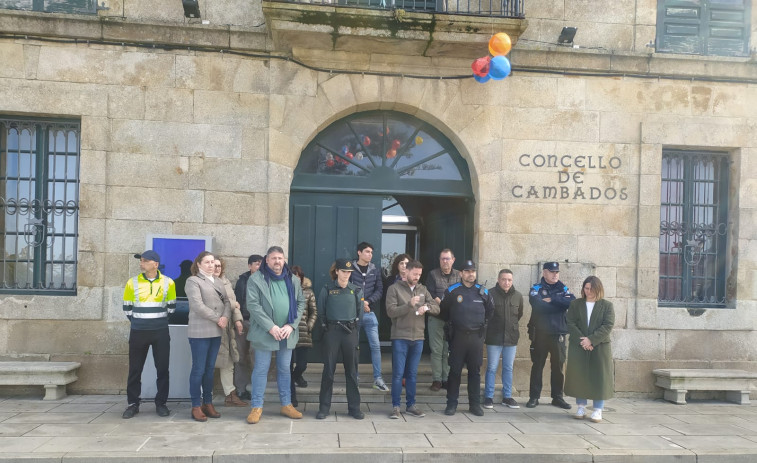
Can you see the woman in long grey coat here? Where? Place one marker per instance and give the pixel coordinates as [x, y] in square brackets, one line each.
[590, 373]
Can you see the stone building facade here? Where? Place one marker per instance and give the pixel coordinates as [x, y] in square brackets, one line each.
[189, 128]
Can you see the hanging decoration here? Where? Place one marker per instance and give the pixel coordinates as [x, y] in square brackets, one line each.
[497, 66]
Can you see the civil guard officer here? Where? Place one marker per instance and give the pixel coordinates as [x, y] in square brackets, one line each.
[466, 307]
[340, 305]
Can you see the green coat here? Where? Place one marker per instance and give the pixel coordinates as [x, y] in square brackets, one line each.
[590, 374]
[261, 313]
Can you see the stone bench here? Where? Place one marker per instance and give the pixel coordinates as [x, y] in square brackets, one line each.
[54, 376]
[735, 383]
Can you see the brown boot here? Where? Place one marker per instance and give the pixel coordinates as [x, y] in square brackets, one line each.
[233, 400]
[291, 412]
[198, 415]
[210, 410]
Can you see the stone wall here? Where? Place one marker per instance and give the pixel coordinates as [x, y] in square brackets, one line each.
[210, 141]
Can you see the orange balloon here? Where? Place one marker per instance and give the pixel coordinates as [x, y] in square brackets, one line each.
[500, 44]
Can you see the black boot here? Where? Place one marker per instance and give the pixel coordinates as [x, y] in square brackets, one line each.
[474, 397]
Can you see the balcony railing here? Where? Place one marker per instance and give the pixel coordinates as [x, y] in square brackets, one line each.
[494, 8]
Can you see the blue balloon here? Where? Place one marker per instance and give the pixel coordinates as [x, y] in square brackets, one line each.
[481, 79]
[499, 68]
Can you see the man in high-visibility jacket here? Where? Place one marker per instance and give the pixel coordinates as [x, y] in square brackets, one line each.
[148, 299]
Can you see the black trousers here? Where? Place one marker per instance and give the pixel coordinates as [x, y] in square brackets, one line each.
[300, 358]
[336, 341]
[547, 344]
[140, 342]
[466, 348]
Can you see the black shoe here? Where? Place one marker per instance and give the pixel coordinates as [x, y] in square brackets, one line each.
[130, 411]
[476, 410]
[444, 385]
[300, 382]
[560, 402]
[357, 414]
[245, 395]
[450, 410]
[532, 403]
[321, 415]
[488, 403]
[161, 410]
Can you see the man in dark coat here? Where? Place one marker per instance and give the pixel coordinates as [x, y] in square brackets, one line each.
[243, 368]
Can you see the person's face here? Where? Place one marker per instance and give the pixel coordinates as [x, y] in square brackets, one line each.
[468, 277]
[402, 267]
[343, 277]
[365, 256]
[254, 267]
[207, 264]
[589, 293]
[147, 266]
[414, 276]
[550, 277]
[445, 262]
[505, 281]
[275, 261]
[217, 268]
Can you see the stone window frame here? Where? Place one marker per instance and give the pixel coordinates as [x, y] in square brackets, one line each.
[698, 251]
[39, 219]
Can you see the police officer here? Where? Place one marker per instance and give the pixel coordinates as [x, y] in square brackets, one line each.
[341, 304]
[466, 307]
[547, 328]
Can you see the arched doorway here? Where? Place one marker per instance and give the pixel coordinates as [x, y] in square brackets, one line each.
[380, 177]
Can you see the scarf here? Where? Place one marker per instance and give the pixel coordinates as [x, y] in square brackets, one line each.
[286, 275]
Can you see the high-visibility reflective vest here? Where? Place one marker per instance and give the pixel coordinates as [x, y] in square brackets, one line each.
[148, 303]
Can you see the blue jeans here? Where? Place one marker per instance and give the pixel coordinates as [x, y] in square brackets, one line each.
[370, 326]
[492, 358]
[204, 353]
[405, 358]
[259, 378]
[598, 404]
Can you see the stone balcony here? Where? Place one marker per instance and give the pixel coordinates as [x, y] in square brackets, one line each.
[394, 31]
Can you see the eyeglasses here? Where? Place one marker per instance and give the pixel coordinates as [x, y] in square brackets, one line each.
[217, 266]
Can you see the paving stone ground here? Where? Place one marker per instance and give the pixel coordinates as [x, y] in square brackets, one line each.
[89, 428]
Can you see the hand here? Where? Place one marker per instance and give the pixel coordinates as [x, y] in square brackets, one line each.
[223, 322]
[415, 300]
[586, 344]
[366, 307]
[286, 331]
[438, 300]
[275, 331]
[547, 299]
[422, 309]
[240, 327]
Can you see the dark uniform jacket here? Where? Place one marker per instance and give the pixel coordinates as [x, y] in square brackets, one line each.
[466, 308]
[549, 317]
[240, 291]
[502, 329]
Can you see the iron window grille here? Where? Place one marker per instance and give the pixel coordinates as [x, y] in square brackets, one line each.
[39, 205]
[693, 229]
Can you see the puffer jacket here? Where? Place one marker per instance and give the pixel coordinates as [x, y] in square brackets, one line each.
[307, 322]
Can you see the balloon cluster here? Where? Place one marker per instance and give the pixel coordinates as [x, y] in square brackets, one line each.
[497, 66]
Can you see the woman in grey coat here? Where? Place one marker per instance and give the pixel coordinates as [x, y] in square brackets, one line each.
[209, 312]
[589, 374]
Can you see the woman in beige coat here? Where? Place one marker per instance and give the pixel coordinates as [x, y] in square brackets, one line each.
[209, 312]
[228, 354]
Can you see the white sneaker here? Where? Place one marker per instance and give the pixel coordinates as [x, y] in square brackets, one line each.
[380, 385]
[580, 413]
[596, 416]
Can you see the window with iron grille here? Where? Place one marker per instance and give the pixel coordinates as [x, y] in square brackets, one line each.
[693, 229]
[39, 205]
